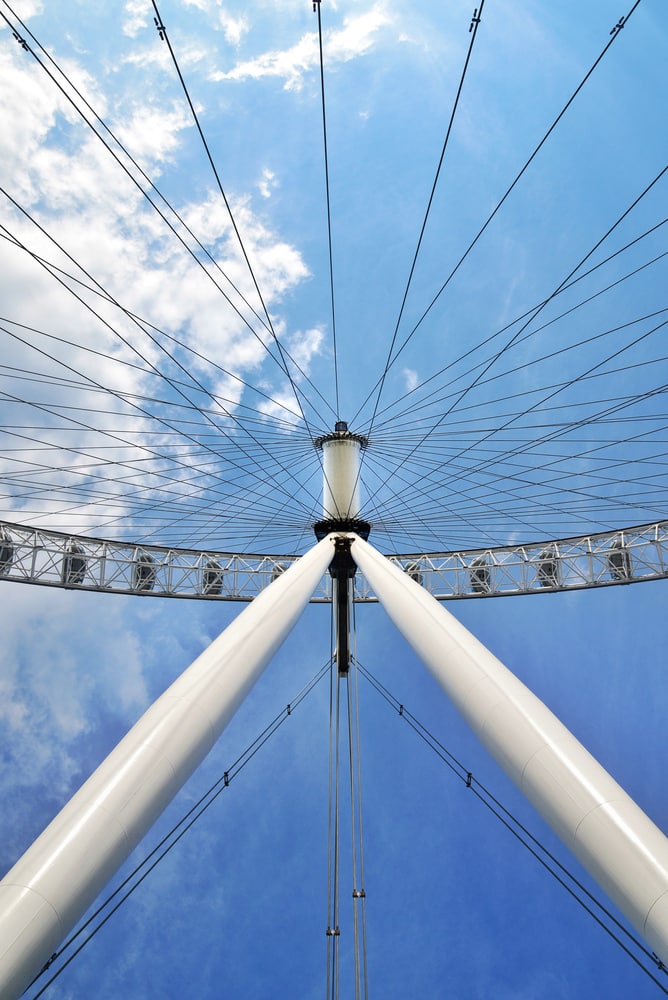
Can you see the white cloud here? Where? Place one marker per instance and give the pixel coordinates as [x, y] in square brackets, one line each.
[410, 377]
[267, 183]
[156, 55]
[356, 38]
[304, 346]
[152, 132]
[283, 405]
[44, 692]
[291, 64]
[58, 170]
[28, 8]
[137, 16]
[234, 28]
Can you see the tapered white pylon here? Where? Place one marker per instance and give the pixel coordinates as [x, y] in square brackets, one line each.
[341, 451]
[617, 843]
[57, 879]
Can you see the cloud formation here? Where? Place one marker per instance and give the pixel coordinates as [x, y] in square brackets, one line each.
[356, 38]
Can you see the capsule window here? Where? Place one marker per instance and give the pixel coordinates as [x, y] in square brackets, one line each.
[413, 571]
[619, 560]
[6, 551]
[74, 565]
[144, 572]
[212, 578]
[548, 568]
[480, 576]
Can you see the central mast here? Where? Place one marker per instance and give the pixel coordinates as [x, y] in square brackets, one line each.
[341, 467]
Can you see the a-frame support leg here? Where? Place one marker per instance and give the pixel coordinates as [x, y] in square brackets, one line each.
[56, 880]
[611, 836]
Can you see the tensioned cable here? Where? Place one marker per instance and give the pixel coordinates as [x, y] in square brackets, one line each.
[125, 151]
[140, 409]
[178, 831]
[415, 510]
[466, 429]
[531, 333]
[162, 32]
[432, 399]
[176, 498]
[522, 834]
[473, 31]
[145, 194]
[261, 479]
[614, 35]
[262, 471]
[469, 508]
[573, 381]
[316, 6]
[498, 429]
[568, 277]
[563, 385]
[143, 322]
[546, 486]
[573, 491]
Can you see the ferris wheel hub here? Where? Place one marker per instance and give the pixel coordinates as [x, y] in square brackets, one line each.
[341, 466]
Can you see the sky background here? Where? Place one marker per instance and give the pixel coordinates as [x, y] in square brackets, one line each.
[455, 907]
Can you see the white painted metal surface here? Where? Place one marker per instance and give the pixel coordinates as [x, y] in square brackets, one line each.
[57, 879]
[341, 474]
[619, 845]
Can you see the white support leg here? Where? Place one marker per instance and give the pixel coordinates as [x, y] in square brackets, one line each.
[57, 879]
[617, 843]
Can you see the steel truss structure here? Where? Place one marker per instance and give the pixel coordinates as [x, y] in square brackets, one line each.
[53, 559]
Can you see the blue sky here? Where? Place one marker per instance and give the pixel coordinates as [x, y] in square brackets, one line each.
[96, 440]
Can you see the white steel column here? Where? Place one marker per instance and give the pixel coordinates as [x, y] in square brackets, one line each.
[341, 456]
[618, 844]
[57, 879]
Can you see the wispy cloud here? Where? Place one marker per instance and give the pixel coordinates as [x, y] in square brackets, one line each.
[137, 16]
[267, 183]
[410, 378]
[355, 38]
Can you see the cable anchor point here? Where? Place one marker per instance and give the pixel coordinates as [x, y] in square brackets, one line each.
[469, 779]
[475, 20]
[161, 29]
[335, 932]
[316, 4]
[618, 27]
[22, 42]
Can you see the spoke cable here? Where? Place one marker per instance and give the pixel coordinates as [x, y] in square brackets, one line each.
[515, 336]
[316, 6]
[614, 36]
[473, 31]
[261, 474]
[145, 194]
[162, 31]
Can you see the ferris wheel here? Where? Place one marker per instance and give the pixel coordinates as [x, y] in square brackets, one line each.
[327, 303]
